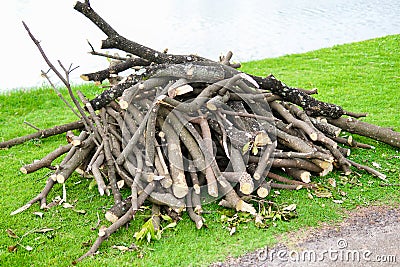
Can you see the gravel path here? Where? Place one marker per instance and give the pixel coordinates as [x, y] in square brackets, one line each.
[369, 237]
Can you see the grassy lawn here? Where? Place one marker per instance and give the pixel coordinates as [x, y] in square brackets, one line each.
[361, 77]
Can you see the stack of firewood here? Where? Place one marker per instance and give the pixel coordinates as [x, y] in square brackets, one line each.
[181, 131]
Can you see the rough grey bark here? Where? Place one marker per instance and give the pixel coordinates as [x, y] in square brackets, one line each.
[382, 134]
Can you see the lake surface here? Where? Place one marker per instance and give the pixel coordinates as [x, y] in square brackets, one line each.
[252, 29]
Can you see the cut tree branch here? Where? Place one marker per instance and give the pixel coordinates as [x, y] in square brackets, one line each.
[77, 125]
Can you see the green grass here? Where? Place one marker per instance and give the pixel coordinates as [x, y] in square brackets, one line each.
[361, 77]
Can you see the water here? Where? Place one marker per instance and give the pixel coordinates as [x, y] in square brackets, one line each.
[252, 29]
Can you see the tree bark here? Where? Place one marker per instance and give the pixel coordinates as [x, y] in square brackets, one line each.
[43, 133]
[65, 170]
[115, 40]
[112, 93]
[46, 161]
[312, 106]
[100, 76]
[355, 126]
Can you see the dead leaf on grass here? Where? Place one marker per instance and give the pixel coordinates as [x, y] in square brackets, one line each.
[12, 248]
[323, 193]
[332, 182]
[11, 234]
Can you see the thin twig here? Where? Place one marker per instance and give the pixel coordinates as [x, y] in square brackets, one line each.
[64, 81]
[33, 126]
[93, 52]
[368, 169]
[44, 74]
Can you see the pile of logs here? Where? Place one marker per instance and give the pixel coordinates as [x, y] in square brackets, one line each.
[182, 130]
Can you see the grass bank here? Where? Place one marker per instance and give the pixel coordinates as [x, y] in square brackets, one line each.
[360, 77]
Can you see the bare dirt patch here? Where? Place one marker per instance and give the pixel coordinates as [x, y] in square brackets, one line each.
[370, 236]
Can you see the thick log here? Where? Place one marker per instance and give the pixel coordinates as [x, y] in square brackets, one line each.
[124, 44]
[194, 177]
[113, 93]
[355, 126]
[264, 189]
[299, 174]
[246, 184]
[207, 72]
[116, 40]
[150, 141]
[312, 106]
[233, 201]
